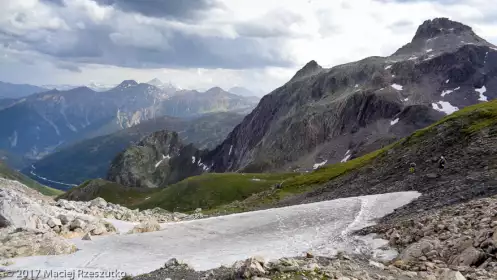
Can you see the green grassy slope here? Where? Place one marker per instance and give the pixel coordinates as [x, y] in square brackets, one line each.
[7, 173]
[110, 191]
[211, 190]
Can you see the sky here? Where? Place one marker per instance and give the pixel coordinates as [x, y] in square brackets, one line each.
[197, 44]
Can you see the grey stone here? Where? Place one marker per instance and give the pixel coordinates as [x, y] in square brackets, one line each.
[65, 219]
[87, 237]
[172, 263]
[470, 256]
[98, 202]
[251, 268]
[417, 250]
[77, 223]
[99, 229]
[148, 226]
[447, 274]
[53, 222]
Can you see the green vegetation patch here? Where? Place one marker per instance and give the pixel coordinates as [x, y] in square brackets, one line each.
[471, 119]
[110, 191]
[211, 190]
[7, 173]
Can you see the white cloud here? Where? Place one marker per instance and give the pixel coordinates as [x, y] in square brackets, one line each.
[236, 43]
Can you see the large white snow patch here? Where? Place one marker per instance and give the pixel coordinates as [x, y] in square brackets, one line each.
[445, 92]
[322, 227]
[445, 107]
[319, 164]
[397, 86]
[481, 91]
[346, 157]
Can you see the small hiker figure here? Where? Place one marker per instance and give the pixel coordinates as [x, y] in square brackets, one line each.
[412, 168]
[441, 162]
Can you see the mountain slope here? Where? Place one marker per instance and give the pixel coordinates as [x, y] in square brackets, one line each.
[110, 191]
[91, 158]
[466, 138]
[8, 90]
[324, 116]
[6, 102]
[7, 173]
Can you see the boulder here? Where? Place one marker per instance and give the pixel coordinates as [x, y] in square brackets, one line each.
[62, 203]
[251, 268]
[109, 227]
[99, 229]
[470, 256]
[174, 264]
[171, 263]
[28, 242]
[19, 210]
[416, 250]
[179, 215]
[87, 237]
[56, 229]
[98, 202]
[53, 222]
[148, 226]
[447, 274]
[77, 223]
[65, 219]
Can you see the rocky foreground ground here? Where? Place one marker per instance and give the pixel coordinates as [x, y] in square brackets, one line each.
[452, 243]
[455, 242]
[33, 224]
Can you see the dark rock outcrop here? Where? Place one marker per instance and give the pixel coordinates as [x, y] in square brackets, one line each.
[158, 160]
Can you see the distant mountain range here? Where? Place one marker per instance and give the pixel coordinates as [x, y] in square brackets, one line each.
[243, 91]
[12, 91]
[36, 125]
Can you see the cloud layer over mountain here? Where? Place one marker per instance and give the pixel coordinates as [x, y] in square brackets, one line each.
[200, 43]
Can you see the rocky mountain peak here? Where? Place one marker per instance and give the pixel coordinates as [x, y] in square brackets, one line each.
[127, 84]
[215, 90]
[80, 88]
[309, 69]
[440, 26]
[440, 35]
[155, 82]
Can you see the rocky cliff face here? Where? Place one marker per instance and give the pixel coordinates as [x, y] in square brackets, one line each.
[324, 116]
[158, 160]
